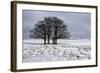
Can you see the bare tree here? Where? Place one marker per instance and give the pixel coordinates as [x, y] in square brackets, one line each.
[50, 28]
[48, 22]
[59, 30]
[39, 31]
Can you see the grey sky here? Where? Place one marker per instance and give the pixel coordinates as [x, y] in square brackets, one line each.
[79, 24]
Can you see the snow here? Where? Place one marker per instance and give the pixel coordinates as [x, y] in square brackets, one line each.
[35, 51]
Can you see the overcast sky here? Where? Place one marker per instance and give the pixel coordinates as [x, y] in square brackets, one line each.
[79, 24]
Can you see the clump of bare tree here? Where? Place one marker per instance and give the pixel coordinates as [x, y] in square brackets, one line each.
[50, 28]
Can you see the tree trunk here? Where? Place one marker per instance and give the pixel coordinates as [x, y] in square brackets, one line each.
[54, 41]
[44, 38]
[55, 37]
[48, 39]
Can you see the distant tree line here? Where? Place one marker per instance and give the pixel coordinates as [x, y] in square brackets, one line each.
[50, 28]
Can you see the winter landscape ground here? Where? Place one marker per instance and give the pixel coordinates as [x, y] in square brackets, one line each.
[35, 51]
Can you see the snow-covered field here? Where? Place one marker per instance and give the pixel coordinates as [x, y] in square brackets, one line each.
[35, 51]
